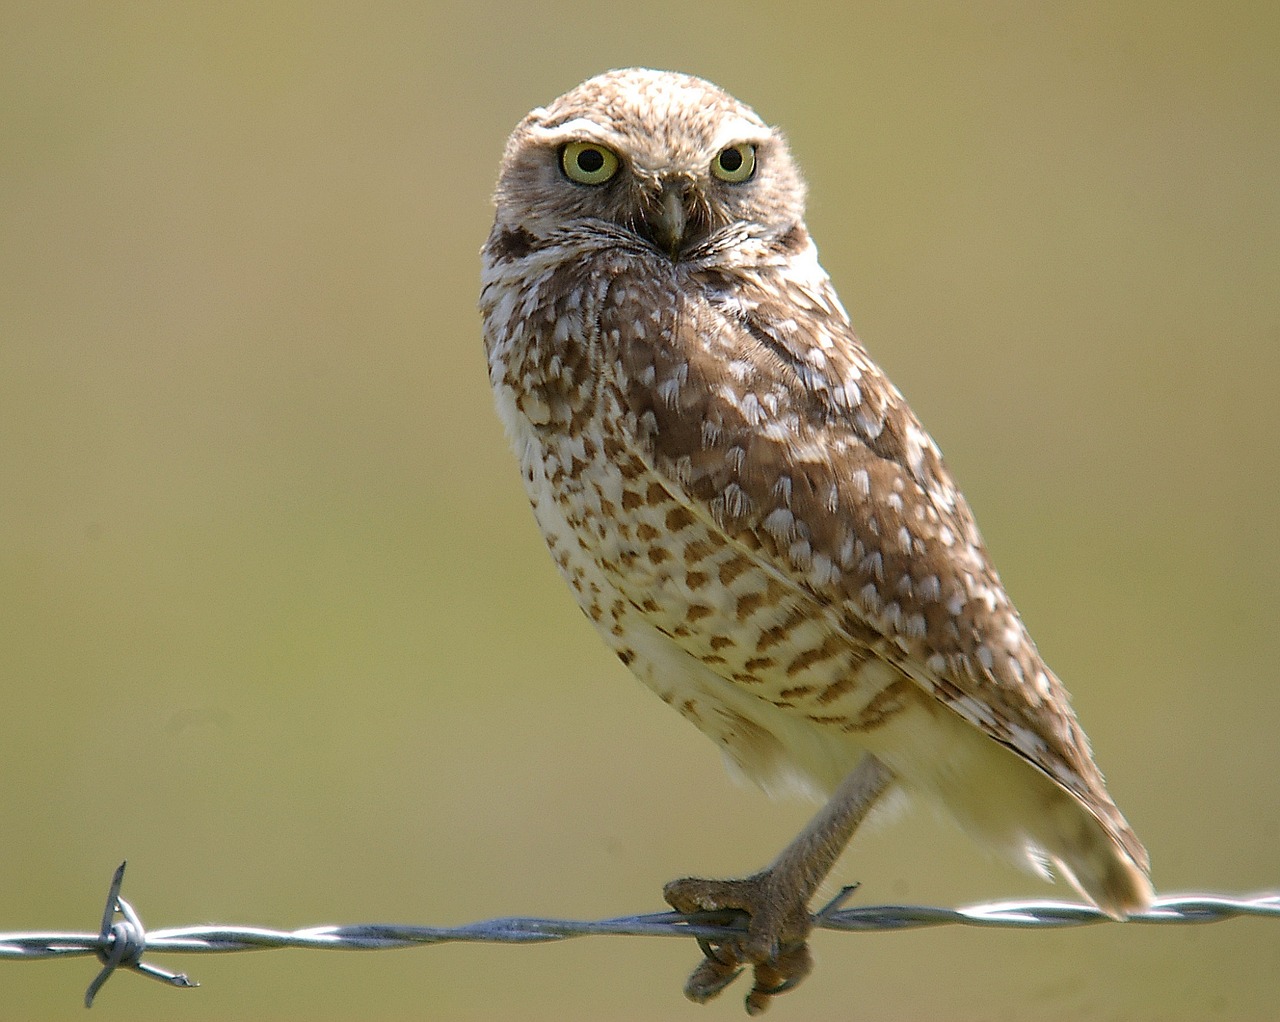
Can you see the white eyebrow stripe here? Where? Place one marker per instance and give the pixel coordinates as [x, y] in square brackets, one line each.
[739, 129]
[576, 126]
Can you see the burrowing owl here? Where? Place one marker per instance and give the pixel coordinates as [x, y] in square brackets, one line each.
[750, 512]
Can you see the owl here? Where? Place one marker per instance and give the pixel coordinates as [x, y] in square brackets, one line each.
[752, 516]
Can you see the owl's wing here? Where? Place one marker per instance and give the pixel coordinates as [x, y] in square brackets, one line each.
[763, 413]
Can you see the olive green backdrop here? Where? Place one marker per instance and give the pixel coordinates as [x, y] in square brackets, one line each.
[275, 622]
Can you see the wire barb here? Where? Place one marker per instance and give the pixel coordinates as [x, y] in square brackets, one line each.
[843, 895]
[123, 942]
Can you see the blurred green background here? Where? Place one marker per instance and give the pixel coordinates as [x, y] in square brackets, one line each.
[277, 625]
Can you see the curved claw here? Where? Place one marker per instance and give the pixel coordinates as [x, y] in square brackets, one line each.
[710, 977]
[778, 976]
[712, 952]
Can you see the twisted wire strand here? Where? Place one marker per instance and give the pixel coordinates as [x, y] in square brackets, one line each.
[123, 942]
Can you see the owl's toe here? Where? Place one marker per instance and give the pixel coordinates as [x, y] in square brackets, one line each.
[778, 975]
[773, 943]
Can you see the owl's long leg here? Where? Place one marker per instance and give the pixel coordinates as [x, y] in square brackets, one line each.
[777, 898]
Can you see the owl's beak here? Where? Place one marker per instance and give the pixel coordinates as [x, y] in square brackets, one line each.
[669, 221]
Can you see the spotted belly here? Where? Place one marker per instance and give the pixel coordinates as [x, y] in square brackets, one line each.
[750, 658]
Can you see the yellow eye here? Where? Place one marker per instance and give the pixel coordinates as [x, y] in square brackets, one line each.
[588, 163]
[735, 164]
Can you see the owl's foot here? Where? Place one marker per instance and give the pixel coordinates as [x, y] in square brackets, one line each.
[774, 944]
[775, 900]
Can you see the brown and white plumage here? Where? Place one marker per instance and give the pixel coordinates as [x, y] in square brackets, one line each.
[743, 503]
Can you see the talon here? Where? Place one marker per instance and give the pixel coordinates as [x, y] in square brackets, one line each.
[786, 971]
[709, 978]
[762, 947]
[712, 952]
[758, 1000]
[784, 986]
[780, 975]
[777, 976]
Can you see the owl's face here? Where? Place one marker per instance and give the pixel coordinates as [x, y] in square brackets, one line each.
[670, 160]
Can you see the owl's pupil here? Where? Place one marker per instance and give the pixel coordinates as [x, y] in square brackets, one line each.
[730, 160]
[590, 161]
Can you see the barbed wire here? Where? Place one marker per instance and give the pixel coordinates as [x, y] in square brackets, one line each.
[121, 942]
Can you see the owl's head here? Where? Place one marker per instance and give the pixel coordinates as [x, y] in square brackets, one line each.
[669, 159]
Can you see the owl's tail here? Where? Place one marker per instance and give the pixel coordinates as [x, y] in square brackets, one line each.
[1096, 851]
[1015, 808]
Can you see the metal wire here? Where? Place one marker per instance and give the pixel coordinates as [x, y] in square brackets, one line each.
[122, 942]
